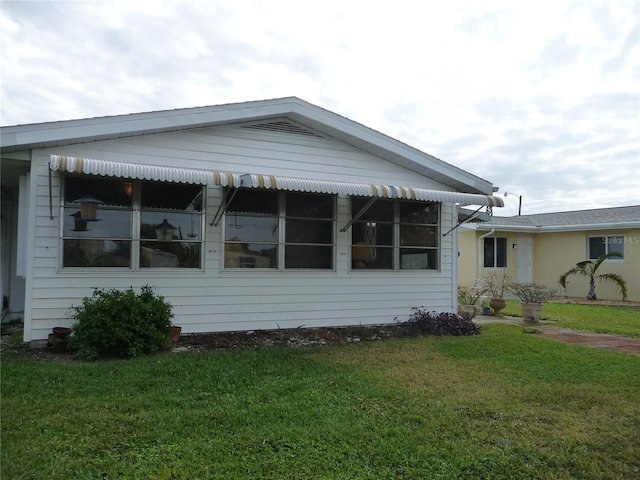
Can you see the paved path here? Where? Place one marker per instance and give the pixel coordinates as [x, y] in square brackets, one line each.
[614, 343]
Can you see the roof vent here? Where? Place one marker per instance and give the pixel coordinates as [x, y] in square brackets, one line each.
[283, 127]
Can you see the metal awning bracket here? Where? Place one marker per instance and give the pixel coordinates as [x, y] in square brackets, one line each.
[359, 214]
[227, 198]
[465, 220]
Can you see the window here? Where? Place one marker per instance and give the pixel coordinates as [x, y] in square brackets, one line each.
[393, 234]
[269, 229]
[599, 246]
[133, 224]
[495, 252]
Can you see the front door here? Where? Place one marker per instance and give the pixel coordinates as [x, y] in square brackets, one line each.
[525, 259]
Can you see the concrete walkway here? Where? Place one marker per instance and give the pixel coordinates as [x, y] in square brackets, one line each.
[614, 343]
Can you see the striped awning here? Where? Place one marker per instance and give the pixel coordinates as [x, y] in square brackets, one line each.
[137, 171]
[273, 182]
[364, 190]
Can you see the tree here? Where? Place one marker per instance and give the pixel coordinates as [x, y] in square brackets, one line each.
[588, 269]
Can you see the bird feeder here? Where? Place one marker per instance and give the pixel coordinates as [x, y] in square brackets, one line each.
[88, 207]
[79, 224]
[164, 231]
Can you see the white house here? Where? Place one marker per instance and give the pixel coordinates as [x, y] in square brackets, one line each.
[256, 215]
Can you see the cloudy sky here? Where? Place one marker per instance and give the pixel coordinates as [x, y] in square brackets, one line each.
[542, 98]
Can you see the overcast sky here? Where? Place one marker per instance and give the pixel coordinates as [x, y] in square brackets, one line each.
[542, 98]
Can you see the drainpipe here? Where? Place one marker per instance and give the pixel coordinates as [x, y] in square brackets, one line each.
[491, 232]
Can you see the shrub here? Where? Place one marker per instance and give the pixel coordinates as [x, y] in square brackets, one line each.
[442, 323]
[116, 323]
[471, 294]
[498, 283]
[532, 292]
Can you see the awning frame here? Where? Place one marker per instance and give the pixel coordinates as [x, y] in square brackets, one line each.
[359, 214]
[463, 221]
[227, 198]
[272, 182]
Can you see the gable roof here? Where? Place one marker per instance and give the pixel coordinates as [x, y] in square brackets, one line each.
[595, 219]
[51, 134]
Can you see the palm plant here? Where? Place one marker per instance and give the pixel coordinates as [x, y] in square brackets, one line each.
[588, 269]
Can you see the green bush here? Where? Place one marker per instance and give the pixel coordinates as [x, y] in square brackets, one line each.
[116, 323]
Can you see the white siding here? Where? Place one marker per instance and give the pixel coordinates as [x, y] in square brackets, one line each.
[214, 299]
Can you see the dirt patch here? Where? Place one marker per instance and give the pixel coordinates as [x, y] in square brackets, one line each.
[585, 301]
[616, 343]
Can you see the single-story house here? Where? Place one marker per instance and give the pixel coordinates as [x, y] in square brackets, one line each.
[543, 246]
[256, 215]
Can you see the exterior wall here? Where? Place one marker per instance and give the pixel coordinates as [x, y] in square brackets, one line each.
[213, 299]
[555, 253]
[472, 266]
[468, 260]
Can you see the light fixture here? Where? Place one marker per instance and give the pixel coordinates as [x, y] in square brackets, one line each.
[164, 231]
[128, 189]
[519, 201]
[88, 207]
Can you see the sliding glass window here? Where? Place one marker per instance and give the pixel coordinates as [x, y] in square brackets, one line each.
[114, 222]
[394, 234]
[279, 230]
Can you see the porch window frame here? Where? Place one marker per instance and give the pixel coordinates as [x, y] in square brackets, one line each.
[396, 245]
[135, 240]
[281, 242]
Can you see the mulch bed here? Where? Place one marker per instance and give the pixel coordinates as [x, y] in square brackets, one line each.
[301, 337]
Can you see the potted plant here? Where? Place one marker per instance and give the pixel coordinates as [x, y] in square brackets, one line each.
[532, 296]
[497, 285]
[469, 296]
[176, 330]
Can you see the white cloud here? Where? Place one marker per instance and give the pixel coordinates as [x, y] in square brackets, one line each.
[542, 98]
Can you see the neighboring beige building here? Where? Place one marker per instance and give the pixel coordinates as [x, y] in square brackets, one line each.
[542, 247]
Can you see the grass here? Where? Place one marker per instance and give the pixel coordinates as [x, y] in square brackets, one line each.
[617, 320]
[500, 405]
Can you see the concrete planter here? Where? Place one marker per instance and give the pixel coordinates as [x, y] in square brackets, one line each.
[467, 311]
[497, 304]
[531, 312]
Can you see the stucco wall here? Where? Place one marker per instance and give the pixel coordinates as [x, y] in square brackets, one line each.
[468, 266]
[468, 259]
[556, 253]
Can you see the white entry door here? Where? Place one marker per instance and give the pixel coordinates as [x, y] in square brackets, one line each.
[525, 258]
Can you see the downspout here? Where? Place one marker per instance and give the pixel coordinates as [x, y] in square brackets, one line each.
[491, 232]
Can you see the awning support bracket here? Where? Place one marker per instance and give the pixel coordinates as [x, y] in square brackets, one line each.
[227, 198]
[359, 214]
[463, 221]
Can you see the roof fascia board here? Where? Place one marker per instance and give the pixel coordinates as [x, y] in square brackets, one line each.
[554, 228]
[70, 131]
[337, 123]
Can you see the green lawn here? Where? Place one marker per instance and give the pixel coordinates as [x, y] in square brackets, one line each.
[501, 405]
[618, 320]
